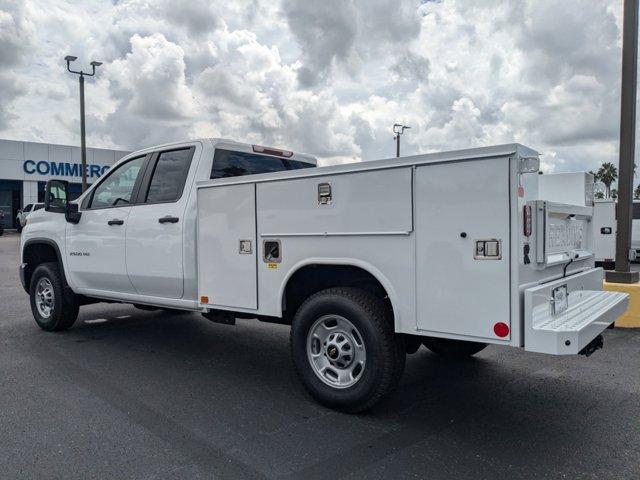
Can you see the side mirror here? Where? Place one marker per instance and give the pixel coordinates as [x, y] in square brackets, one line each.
[55, 196]
[56, 199]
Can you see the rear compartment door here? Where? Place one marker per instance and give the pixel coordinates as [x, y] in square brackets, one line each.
[458, 206]
[227, 247]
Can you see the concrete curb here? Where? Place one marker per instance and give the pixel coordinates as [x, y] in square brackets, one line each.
[630, 318]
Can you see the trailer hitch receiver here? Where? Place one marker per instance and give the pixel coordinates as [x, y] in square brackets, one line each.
[592, 346]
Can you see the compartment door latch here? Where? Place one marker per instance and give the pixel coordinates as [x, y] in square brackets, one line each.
[488, 249]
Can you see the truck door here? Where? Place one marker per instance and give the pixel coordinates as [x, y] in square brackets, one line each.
[96, 244]
[154, 246]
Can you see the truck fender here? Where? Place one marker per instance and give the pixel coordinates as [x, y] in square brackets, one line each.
[351, 262]
[29, 271]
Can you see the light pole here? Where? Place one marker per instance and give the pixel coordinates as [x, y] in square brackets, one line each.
[398, 130]
[83, 144]
[622, 273]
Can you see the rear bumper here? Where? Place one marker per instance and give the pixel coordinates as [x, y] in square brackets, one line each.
[590, 310]
[23, 278]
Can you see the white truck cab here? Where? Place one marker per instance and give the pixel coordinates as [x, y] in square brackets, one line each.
[365, 261]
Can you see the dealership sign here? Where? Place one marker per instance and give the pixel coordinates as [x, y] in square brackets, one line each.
[62, 169]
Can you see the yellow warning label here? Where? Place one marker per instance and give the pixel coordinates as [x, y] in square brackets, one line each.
[272, 266]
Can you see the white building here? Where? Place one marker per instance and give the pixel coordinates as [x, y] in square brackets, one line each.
[26, 166]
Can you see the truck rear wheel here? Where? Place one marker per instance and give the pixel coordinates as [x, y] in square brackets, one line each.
[345, 350]
[454, 349]
[53, 305]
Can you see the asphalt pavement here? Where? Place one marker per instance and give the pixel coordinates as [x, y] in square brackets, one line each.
[150, 395]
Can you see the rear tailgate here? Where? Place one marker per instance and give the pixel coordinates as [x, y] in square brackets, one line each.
[562, 316]
[563, 233]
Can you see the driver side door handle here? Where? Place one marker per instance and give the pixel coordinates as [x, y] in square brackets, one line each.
[115, 221]
[168, 219]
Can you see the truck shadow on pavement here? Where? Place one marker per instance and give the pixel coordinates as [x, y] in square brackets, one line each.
[229, 390]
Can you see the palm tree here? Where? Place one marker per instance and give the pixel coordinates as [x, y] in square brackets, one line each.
[614, 193]
[607, 174]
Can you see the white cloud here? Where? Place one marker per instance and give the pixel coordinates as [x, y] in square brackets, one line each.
[328, 78]
[15, 31]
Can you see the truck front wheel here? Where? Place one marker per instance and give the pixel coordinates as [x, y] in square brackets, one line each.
[345, 350]
[53, 305]
[453, 349]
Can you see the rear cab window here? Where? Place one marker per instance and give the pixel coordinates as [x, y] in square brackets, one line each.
[231, 163]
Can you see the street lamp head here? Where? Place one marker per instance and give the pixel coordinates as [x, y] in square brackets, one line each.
[70, 58]
[95, 64]
[399, 129]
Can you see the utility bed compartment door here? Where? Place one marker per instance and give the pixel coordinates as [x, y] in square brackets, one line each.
[563, 316]
[460, 206]
[227, 246]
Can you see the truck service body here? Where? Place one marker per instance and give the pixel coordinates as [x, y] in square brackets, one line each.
[366, 261]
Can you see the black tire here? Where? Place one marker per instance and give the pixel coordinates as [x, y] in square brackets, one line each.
[385, 351]
[453, 349]
[65, 305]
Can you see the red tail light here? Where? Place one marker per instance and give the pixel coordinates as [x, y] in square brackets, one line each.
[527, 221]
[501, 329]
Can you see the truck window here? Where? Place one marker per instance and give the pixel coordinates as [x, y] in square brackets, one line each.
[28, 208]
[169, 175]
[116, 189]
[229, 163]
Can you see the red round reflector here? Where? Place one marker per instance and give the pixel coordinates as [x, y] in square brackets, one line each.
[501, 329]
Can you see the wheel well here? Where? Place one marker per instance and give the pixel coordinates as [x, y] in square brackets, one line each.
[314, 278]
[36, 254]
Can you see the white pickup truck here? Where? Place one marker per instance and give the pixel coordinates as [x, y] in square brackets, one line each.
[365, 261]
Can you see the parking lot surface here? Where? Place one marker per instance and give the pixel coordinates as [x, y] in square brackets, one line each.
[150, 395]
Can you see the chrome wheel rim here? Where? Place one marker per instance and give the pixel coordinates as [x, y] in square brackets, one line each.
[44, 297]
[336, 351]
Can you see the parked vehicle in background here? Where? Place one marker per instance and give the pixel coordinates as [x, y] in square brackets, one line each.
[574, 188]
[635, 230]
[366, 261]
[604, 232]
[22, 215]
[605, 228]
